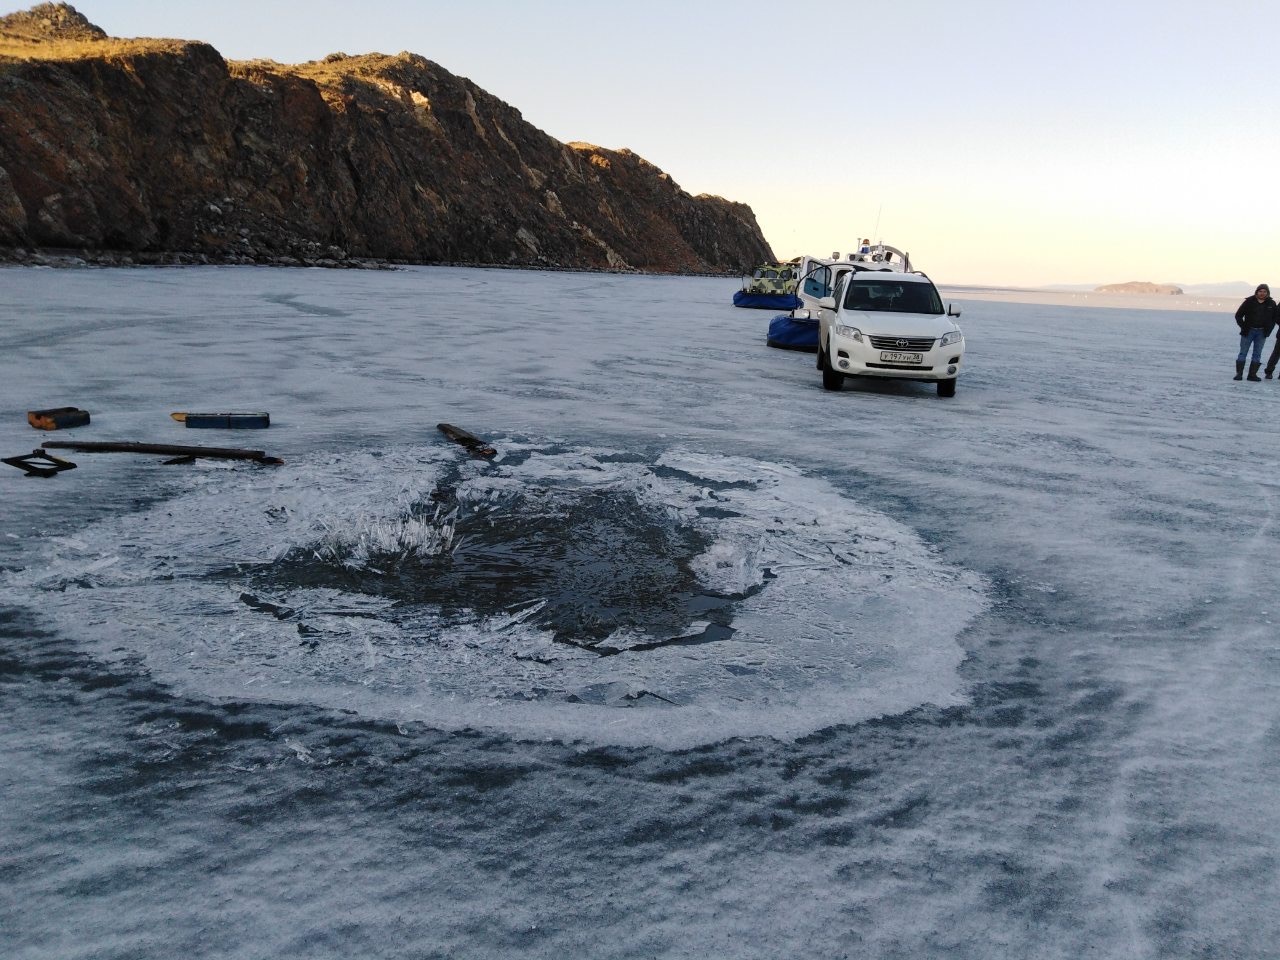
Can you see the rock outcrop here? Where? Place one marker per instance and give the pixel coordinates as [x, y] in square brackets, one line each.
[147, 147]
[1140, 286]
[50, 21]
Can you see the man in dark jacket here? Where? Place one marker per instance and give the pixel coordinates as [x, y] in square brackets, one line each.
[1256, 318]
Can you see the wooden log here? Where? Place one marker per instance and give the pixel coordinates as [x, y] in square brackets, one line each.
[475, 446]
[164, 449]
[58, 418]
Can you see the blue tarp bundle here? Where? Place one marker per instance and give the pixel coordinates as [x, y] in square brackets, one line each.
[790, 333]
[766, 301]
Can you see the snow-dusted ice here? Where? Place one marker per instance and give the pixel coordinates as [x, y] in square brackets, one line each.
[706, 662]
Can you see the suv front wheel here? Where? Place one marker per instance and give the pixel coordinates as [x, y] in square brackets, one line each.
[946, 388]
[831, 380]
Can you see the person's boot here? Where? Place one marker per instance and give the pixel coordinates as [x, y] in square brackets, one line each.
[1253, 373]
[1239, 370]
[1267, 373]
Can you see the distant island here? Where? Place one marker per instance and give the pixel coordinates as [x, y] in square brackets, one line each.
[1140, 286]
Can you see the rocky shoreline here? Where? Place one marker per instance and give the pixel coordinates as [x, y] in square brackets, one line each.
[71, 259]
[45, 257]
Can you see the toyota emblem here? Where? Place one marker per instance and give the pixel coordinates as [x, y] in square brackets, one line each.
[902, 343]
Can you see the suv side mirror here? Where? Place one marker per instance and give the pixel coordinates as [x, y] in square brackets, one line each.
[952, 311]
[827, 303]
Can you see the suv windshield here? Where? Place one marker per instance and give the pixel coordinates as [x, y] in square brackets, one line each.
[891, 296]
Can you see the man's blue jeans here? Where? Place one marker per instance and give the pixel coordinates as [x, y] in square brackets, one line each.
[1254, 336]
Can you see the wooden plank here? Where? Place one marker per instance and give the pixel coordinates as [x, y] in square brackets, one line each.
[164, 449]
[224, 421]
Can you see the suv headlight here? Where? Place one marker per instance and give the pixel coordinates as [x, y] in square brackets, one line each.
[949, 338]
[853, 333]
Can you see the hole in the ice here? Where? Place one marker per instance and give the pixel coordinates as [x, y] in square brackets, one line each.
[588, 566]
[717, 513]
[673, 473]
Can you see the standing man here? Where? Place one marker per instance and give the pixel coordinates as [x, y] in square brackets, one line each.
[1256, 318]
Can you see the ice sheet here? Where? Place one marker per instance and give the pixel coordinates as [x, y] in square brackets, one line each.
[1049, 674]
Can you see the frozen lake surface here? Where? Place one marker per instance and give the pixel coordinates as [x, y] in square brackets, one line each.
[707, 662]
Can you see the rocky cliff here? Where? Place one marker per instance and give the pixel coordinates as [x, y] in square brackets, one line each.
[149, 147]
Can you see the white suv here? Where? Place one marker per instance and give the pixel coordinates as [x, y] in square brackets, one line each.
[892, 325]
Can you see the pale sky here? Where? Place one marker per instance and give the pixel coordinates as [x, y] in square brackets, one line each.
[998, 141]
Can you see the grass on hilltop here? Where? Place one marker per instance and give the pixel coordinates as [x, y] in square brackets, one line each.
[21, 48]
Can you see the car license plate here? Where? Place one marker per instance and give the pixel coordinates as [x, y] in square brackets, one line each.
[889, 357]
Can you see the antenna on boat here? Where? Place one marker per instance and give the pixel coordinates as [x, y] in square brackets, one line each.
[876, 232]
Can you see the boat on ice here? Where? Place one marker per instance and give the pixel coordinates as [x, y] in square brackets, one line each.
[817, 276]
[771, 286]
